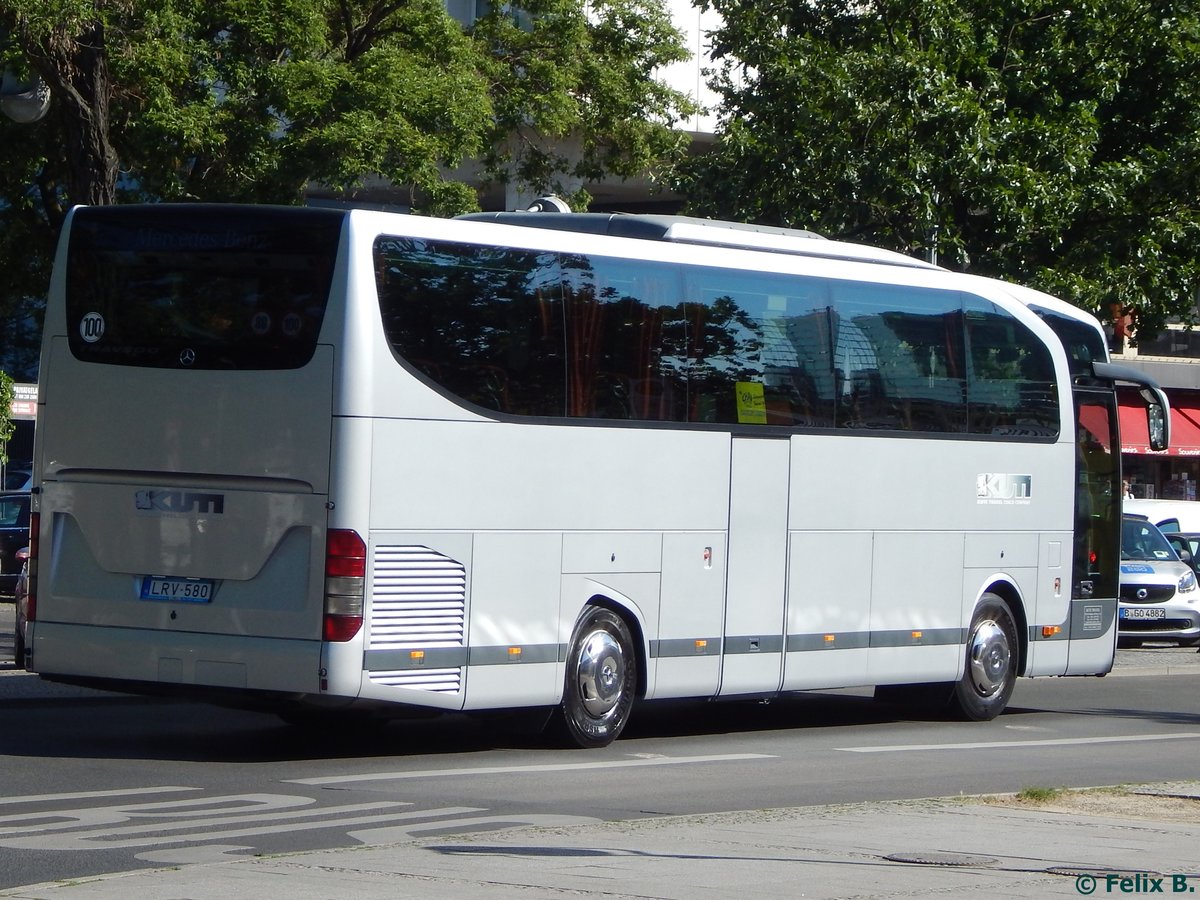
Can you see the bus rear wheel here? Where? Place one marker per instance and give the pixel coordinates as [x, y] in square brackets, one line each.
[991, 665]
[601, 680]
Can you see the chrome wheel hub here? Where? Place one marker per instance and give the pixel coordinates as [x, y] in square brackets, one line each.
[990, 658]
[600, 673]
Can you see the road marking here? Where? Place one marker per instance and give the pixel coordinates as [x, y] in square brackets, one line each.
[1053, 742]
[236, 808]
[160, 834]
[527, 770]
[88, 795]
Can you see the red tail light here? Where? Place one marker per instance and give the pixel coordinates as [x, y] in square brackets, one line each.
[345, 582]
[345, 554]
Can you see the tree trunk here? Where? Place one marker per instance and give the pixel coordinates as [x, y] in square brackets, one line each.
[76, 68]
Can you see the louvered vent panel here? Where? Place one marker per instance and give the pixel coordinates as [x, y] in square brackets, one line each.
[419, 599]
[442, 681]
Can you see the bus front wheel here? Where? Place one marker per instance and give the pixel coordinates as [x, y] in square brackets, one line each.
[601, 680]
[991, 665]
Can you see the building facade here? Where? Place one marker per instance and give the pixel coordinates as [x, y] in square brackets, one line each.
[1173, 360]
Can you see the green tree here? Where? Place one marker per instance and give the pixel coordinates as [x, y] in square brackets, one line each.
[260, 100]
[6, 423]
[1050, 145]
[576, 96]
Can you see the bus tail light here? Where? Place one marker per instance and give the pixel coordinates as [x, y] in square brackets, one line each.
[31, 561]
[345, 584]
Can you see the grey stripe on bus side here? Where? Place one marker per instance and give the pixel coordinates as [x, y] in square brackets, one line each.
[526, 653]
[683, 647]
[674, 648]
[431, 658]
[919, 637]
[841, 640]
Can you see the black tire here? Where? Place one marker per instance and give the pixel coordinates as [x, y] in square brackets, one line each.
[19, 649]
[600, 683]
[991, 666]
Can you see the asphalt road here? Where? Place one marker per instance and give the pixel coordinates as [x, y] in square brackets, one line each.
[93, 782]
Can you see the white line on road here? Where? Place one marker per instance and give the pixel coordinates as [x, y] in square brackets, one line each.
[88, 795]
[1054, 742]
[527, 770]
[158, 836]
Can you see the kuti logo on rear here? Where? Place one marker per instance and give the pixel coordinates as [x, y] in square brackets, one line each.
[179, 502]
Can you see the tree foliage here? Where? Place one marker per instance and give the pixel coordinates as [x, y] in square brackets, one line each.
[258, 100]
[1053, 145]
[6, 422]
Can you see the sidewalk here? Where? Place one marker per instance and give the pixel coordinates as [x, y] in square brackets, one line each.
[923, 848]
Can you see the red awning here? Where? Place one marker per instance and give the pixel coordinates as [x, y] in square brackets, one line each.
[1185, 425]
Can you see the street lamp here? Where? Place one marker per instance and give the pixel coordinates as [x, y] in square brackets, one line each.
[24, 100]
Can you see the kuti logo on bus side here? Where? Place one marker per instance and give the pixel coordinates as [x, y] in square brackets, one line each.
[992, 487]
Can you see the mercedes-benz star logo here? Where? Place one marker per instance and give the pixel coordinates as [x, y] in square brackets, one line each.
[187, 357]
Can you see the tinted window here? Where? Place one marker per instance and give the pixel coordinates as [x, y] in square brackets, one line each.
[1083, 343]
[898, 358]
[201, 287]
[759, 348]
[486, 323]
[533, 333]
[1011, 388]
[627, 341]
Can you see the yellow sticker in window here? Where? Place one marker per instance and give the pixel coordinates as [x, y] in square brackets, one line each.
[751, 403]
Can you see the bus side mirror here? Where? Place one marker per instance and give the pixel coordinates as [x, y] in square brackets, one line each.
[1157, 424]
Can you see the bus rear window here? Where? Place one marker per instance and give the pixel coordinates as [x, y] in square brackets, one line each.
[214, 288]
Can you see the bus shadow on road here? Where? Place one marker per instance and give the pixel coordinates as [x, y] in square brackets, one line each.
[101, 725]
[116, 726]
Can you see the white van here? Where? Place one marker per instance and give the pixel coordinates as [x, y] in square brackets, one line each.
[1168, 515]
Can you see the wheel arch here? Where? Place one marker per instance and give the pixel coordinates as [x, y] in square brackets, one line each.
[1008, 591]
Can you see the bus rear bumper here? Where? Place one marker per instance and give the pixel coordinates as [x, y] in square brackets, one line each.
[78, 652]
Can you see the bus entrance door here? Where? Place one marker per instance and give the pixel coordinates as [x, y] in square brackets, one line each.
[1097, 532]
[756, 586]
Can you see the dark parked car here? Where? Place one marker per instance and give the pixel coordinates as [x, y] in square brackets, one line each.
[18, 478]
[14, 534]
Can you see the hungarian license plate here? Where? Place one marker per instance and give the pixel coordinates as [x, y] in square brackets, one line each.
[1142, 614]
[182, 590]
